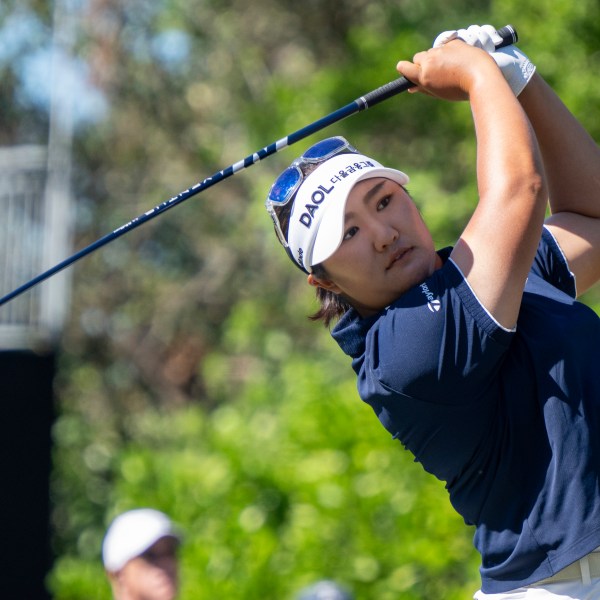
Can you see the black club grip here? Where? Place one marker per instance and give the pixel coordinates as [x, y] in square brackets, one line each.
[509, 36]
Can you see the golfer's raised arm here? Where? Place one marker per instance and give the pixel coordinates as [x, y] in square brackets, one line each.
[496, 249]
[572, 163]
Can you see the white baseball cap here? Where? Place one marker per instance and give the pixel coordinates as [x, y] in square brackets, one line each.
[316, 225]
[132, 533]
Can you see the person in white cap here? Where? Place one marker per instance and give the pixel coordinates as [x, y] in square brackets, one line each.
[477, 358]
[139, 553]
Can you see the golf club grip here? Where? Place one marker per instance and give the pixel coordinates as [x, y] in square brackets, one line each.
[508, 34]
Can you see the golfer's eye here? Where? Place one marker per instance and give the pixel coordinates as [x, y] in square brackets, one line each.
[350, 233]
[384, 202]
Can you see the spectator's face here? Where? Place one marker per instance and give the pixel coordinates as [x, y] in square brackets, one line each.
[151, 576]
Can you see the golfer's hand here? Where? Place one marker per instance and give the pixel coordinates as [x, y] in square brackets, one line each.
[514, 64]
[450, 71]
[484, 37]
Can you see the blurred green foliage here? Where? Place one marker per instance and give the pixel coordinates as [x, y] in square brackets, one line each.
[189, 377]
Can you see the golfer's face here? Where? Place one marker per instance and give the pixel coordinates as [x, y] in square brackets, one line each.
[153, 575]
[386, 249]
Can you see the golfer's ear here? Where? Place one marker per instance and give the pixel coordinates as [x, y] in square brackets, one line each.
[326, 284]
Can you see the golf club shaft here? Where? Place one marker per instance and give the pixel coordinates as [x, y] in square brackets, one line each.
[508, 35]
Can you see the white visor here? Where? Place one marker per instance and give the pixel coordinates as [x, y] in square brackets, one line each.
[316, 226]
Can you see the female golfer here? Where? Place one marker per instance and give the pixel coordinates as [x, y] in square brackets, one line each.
[477, 358]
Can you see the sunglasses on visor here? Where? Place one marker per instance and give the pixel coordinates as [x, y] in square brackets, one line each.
[287, 184]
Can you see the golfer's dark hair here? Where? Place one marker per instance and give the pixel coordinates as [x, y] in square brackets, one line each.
[332, 306]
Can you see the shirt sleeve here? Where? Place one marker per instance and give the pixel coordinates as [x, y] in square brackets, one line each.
[437, 343]
[551, 264]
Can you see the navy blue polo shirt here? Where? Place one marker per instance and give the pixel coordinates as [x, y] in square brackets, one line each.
[509, 419]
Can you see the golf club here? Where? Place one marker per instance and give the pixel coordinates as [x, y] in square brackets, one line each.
[508, 35]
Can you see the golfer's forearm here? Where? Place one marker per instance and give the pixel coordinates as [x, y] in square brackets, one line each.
[509, 164]
[499, 243]
[571, 157]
